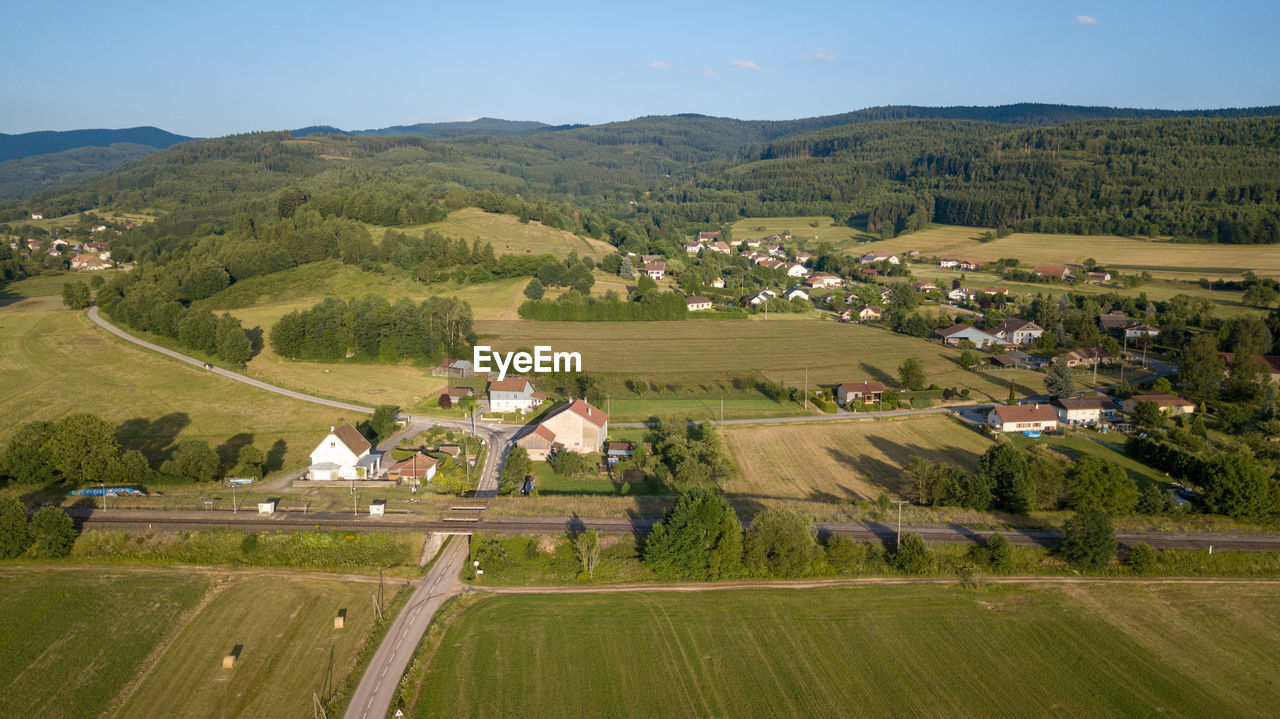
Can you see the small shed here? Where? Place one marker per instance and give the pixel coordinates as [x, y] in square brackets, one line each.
[267, 507]
[377, 507]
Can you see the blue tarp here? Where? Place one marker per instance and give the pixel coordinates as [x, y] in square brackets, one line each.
[109, 491]
[1031, 433]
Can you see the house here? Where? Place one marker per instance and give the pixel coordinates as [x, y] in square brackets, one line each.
[1088, 357]
[776, 251]
[803, 257]
[1098, 276]
[719, 246]
[866, 392]
[95, 246]
[881, 256]
[1051, 271]
[948, 263]
[771, 263]
[452, 451]
[99, 228]
[37, 216]
[1080, 410]
[718, 283]
[758, 299]
[1270, 363]
[654, 270]
[89, 263]
[869, 312]
[708, 236]
[650, 258]
[962, 294]
[924, 286]
[1113, 321]
[957, 334]
[692, 248]
[344, 454]
[1022, 418]
[1018, 358]
[967, 266]
[753, 243]
[1168, 403]
[795, 269]
[697, 304]
[1135, 331]
[576, 427]
[416, 469]
[1018, 331]
[822, 279]
[513, 395]
[454, 395]
[995, 290]
[453, 368]
[798, 292]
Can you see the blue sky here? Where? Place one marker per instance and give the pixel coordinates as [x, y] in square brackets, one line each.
[222, 67]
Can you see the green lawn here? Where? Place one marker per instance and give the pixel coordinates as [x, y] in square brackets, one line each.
[71, 640]
[919, 651]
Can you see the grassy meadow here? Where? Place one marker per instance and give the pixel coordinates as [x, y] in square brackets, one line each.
[843, 460]
[816, 229]
[510, 236]
[1000, 651]
[70, 641]
[54, 362]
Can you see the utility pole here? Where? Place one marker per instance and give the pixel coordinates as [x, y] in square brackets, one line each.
[899, 502]
[1124, 355]
[806, 386]
[104, 494]
[233, 498]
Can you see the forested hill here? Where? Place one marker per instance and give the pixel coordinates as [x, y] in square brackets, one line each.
[440, 130]
[14, 147]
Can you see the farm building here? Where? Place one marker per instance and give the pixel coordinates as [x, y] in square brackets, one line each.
[453, 368]
[1018, 358]
[1022, 417]
[576, 427]
[1052, 271]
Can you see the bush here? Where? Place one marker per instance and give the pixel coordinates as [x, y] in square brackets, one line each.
[1141, 559]
[912, 556]
[53, 533]
[15, 535]
[845, 555]
[699, 537]
[780, 542]
[995, 554]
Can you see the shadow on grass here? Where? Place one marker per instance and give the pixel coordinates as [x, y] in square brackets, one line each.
[153, 438]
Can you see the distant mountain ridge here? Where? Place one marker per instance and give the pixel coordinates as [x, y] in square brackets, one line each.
[27, 144]
[443, 130]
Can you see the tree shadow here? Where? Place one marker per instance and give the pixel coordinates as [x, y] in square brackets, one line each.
[878, 374]
[229, 451]
[275, 456]
[256, 342]
[153, 438]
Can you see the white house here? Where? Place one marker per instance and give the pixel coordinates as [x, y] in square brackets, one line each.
[697, 304]
[947, 263]
[1136, 331]
[823, 280]
[795, 269]
[344, 454]
[1168, 403]
[654, 270]
[692, 248]
[718, 283]
[719, 246]
[881, 256]
[798, 292]
[956, 334]
[962, 294]
[1077, 410]
[1022, 417]
[576, 427]
[1018, 331]
[37, 216]
[869, 312]
[513, 395]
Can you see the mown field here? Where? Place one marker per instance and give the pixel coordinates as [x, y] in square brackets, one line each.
[510, 236]
[1184, 261]
[54, 362]
[70, 641]
[844, 460]
[288, 650]
[703, 356]
[818, 229]
[927, 651]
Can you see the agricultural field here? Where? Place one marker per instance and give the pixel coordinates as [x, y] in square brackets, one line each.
[858, 459]
[1086, 650]
[71, 640]
[53, 362]
[1179, 261]
[288, 649]
[510, 236]
[703, 356]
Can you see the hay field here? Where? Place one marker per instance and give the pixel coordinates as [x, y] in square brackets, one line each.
[1185, 261]
[818, 229]
[510, 236]
[919, 651]
[843, 460]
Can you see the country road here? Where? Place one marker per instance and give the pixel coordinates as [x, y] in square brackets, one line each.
[373, 695]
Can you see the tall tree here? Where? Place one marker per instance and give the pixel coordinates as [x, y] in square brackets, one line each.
[911, 373]
[1004, 468]
[1088, 539]
[1058, 380]
[75, 295]
[83, 448]
[15, 534]
[232, 343]
[699, 537]
[780, 542]
[1201, 368]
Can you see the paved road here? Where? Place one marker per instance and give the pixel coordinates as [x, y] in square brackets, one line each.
[373, 695]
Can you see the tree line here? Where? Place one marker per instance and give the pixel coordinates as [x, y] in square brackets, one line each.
[370, 328]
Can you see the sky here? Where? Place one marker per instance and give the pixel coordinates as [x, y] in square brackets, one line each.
[215, 68]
